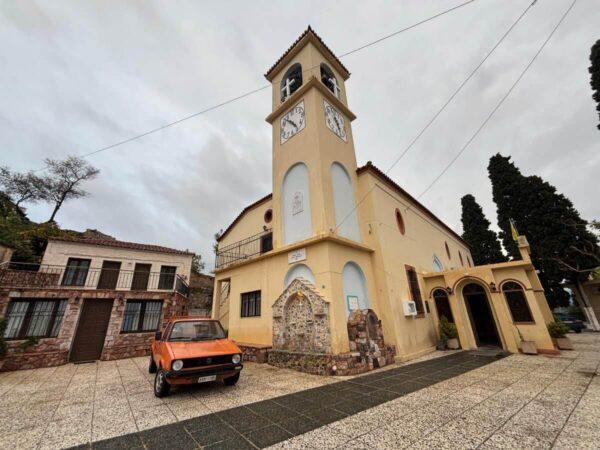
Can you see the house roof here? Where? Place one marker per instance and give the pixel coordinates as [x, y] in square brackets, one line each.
[369, 167]
[121, 244]
[241, 214]
[309, 35]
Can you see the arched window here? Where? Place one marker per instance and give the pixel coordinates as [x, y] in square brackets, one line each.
[354, 287]
[295, 199]
[329, 80]
[437, 264]
[343, 203]
[517, 303]
[400, 221]
[299, 271]
[447, 250]
[268, 215]
[442, 305]
[291, 81]
[462, 263]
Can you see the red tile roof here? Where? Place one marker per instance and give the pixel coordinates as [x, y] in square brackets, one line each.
[370, 167]
[121, 244]
[309, 33]
[241, 214]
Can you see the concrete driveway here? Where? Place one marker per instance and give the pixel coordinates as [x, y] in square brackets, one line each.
[515, 402]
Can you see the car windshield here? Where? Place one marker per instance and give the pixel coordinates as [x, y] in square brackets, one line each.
[201, 330]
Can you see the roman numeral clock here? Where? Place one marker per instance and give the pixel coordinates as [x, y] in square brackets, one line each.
[335, 121]
[292, 122]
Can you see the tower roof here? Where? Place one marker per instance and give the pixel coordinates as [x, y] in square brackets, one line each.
[308, 36]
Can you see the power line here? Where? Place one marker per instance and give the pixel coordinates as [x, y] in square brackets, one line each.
[254, 91]
[491, 114]
[443, 107]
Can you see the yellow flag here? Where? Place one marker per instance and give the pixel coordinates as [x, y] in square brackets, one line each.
[513, 230]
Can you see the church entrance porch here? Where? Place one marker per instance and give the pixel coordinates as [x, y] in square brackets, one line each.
[480, 315]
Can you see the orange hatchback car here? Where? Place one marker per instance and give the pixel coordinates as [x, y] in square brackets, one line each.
[193, 350]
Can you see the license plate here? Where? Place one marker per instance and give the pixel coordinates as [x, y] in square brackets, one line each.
[207, 379]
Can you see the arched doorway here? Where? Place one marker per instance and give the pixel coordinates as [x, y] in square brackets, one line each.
[480, 315]
[442, 304]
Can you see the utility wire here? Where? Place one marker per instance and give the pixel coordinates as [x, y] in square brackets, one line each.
[439, 111]
[249, 93]
[491, 114]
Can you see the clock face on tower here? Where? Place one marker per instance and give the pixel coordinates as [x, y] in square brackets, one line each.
[335, 120]
[292, 122]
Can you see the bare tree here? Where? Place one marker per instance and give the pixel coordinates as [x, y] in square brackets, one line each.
[22, 187]
[65, 179]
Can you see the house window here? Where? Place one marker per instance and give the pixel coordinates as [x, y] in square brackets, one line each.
[291, 82]
[167, 277]
[141, 275]
[469, 261]
[109, 275]
[34, 318]
[447, 250]
[400, 221]
[251, 304]
[76, 272]
[462, 263]
[517, 303]
[141, 316]
[415, 291]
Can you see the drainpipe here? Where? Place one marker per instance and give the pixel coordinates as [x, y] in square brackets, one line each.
[584, 304]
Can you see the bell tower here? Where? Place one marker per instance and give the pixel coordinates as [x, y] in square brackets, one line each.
[314, 162]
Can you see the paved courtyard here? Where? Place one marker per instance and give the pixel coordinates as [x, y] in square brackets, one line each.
[459, 400]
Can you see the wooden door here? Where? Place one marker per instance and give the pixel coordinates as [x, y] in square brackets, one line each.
[91, 330]
[109, 275]
[141, 275]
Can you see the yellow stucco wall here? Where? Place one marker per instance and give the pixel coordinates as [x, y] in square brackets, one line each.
[383, 251]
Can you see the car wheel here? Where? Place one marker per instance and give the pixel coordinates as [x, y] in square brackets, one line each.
[231, 381]
[152, 366]
[161, 385]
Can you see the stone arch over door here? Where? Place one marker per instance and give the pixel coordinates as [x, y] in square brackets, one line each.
[344, 203]
[481, 316]
[295, 204]
[301, 320]
[354, 288]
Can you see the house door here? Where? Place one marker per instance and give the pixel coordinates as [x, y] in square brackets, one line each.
[91, 330]
[109, 275]
[480, 314]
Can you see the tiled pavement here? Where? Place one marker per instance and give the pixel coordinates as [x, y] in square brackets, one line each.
[515, 402]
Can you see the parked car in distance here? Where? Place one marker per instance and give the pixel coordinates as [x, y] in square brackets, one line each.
[572, 322]
[193, 350]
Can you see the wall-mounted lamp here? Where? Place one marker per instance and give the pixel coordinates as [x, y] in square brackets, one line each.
[449, 290]
[493, 287]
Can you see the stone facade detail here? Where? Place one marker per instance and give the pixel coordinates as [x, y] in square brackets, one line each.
[301, 320]
[201, 294]
[55, 351]
[366, 338]
[254, 352]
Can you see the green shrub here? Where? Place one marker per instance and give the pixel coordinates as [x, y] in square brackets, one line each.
[447, 329]
[557, 329]
[2, 341]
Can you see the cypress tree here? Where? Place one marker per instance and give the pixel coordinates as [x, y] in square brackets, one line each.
[595, 74]
[483, 242]
[561, 246]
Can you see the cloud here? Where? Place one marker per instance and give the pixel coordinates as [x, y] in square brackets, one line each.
[80, 76]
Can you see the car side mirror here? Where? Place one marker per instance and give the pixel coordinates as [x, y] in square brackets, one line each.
[158, 336]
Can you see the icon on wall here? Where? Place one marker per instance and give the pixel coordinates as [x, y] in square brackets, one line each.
[297, 203]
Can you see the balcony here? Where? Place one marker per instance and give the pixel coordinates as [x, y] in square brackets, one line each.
[245, 249]
[24, 275]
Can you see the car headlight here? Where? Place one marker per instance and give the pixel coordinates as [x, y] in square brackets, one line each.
[236, 358]
[177, 364]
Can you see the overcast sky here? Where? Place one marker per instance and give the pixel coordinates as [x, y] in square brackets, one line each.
[79, 75]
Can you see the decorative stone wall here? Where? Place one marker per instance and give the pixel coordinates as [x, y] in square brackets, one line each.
[55, 351]
[201, 294]
[254, 352]
[301, 320]
[365, 334]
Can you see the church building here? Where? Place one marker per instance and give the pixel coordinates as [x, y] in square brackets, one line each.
[339, 269]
